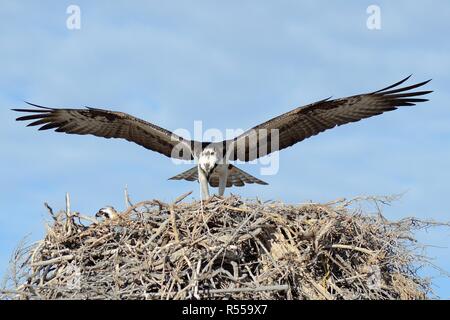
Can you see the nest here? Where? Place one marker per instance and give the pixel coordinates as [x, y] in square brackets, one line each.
[225, 248]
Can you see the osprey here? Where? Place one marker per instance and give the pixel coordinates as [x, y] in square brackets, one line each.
[213, 158]
[108, 213]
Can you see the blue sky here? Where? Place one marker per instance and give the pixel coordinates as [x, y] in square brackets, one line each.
[232, 64]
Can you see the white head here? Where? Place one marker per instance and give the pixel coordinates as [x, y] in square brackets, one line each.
[107, 212]
[208, 160]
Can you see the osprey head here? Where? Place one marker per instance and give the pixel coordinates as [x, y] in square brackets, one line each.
[107, 212]
[208, 161]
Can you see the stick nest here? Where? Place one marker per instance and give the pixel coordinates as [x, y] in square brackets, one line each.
[223, 249]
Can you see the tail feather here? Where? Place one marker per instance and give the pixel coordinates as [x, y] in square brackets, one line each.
[236, 177]
[189, 175]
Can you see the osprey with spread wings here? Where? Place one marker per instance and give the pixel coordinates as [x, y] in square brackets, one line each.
[213, 159]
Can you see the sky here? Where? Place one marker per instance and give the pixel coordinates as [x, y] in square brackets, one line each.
[230, 64]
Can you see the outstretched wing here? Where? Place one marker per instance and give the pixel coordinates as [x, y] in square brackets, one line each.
[304, 122]
[110, 124]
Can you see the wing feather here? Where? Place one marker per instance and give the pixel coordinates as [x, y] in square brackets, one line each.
[307, 121]
[109, 124]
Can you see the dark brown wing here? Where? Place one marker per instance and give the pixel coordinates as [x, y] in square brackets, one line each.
[109, 124]
[304, 122]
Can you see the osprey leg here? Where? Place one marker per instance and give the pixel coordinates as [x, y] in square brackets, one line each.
[202, 178]
[223, 177]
